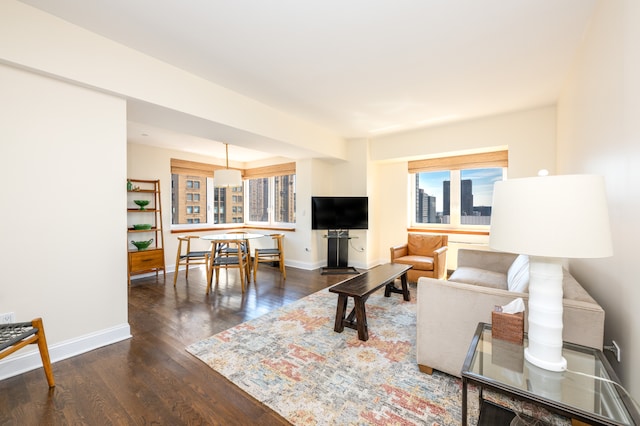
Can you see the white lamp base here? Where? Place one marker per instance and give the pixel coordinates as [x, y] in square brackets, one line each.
[543, 363]
[545, 314]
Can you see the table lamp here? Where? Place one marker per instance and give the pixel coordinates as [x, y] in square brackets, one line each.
[549, 218]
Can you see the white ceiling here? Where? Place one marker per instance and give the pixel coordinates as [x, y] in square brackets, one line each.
[359, 67]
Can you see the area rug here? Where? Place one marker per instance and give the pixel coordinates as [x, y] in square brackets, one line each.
[292, 361]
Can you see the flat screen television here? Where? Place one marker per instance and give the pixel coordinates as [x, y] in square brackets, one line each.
[339, 213]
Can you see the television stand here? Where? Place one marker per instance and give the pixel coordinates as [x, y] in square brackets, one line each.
[338, 254]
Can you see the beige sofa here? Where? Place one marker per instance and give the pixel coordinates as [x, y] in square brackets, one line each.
[448, 312]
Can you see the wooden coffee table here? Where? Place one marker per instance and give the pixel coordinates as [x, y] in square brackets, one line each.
[360, 287]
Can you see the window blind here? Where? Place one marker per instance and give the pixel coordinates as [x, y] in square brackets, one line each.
[458, 162]
[269, 171]
[204, 169]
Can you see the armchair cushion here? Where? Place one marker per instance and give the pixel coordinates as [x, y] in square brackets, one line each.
[481, 277]
[422, 263]
[425, 245]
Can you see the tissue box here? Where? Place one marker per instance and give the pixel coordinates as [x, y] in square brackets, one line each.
[508, 327]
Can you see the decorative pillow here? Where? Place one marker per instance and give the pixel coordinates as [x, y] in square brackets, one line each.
[518, 274]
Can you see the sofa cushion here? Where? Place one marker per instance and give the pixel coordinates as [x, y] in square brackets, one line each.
[480, 277]
[424, 245]
[421, 263]
[518, 274]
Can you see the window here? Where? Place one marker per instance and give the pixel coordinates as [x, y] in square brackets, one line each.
[271, 195]
[456, 191]
[267, 195]
[194, 200]
[272, 200]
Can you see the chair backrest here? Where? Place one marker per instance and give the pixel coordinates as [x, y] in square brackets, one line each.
[186, 240]
[278, 239]
[425, 244]
[228, 248]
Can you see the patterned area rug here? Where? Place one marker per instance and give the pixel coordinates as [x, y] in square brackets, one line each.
[292, 361]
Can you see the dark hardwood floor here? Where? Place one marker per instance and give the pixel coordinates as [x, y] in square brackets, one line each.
[150, 379]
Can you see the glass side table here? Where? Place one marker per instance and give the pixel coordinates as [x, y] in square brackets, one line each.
[500, 365]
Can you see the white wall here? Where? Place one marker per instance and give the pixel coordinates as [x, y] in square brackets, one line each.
[39, 41]
[599, 132]
[64, 206]
[529, 135]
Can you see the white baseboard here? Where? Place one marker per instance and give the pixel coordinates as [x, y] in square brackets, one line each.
[22, 362]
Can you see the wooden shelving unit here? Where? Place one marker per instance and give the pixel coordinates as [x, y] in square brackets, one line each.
[150, 259]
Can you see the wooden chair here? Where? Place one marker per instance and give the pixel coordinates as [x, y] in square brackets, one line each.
[274, 254]
[223, 257]
[15, 336]
[227, 250]
[188, 257]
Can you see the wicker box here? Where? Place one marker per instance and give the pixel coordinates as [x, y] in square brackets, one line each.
[508, 327]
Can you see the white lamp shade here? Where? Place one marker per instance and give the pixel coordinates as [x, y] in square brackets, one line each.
[562, 216]
[227, 177]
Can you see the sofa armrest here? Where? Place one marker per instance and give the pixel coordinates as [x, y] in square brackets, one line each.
[449, 312]
[440, 263]
[399, 251]
[485, 259]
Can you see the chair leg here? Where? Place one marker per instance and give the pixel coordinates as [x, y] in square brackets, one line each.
[255, 267]
[283, 271]
[175, 274]
[241, 270]
[44, 351]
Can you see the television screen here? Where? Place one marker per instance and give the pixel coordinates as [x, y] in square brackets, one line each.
[339, 213]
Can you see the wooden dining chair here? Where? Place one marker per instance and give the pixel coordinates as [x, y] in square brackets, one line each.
[14, 336]
[187, 257]
[227, 250]
[228, 260]
[272, 254]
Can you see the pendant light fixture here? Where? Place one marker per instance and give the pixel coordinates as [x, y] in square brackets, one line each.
[227, 177]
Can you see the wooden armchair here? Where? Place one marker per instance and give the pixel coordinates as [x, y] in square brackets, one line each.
[15, 336]
[187, 257]
[426, 253]
[274, 254]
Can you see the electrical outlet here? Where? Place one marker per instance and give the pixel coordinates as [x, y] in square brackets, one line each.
[7, 318]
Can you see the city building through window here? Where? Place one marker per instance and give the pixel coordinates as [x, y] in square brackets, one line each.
[455, 191]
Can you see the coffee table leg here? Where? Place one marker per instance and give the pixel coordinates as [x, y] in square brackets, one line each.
[340, 313]
[405, 288]
[361, 319]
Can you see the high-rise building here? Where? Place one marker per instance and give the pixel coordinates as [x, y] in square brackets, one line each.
[466, 197]
[189, 194]
[446, 198]
[426, 205]
[285, 199]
